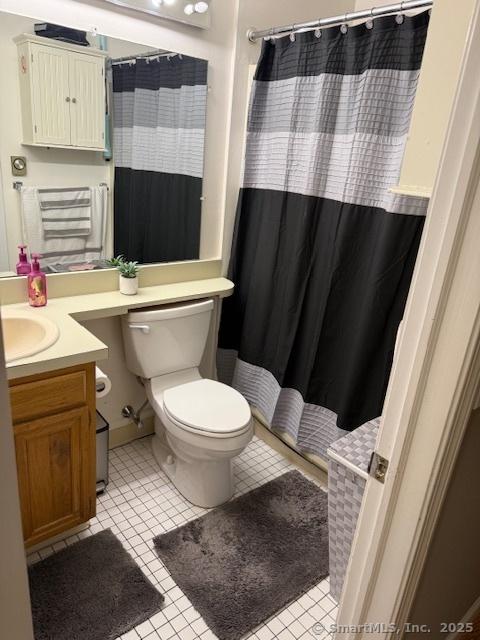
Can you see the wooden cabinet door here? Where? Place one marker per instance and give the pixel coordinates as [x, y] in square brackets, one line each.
[87, 88]
[56, 479]
[50, 95]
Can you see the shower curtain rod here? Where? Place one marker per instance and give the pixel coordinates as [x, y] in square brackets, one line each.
[374, 12]
[156, 53]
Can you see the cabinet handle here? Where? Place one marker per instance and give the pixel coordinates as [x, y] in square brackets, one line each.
[74, 100]
[67, 99]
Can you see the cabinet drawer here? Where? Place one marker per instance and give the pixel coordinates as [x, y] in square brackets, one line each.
[42, 397]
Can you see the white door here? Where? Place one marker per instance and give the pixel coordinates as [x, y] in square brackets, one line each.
[87, 107]
[50, 95]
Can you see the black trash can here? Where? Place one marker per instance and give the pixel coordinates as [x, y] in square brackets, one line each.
[102, 453]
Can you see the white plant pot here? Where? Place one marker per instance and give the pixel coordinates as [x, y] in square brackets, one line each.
[128, 286]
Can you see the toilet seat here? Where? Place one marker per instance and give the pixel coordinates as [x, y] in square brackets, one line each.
[207, 407]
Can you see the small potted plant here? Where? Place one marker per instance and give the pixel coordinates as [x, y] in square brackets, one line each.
[128, 275]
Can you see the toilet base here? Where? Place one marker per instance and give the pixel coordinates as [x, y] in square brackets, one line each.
[204, 483]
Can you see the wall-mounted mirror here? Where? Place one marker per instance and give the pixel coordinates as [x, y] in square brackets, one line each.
[112, 135]
[194, 12]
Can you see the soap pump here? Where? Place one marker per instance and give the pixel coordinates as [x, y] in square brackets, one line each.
[23, 265]
[37, 284]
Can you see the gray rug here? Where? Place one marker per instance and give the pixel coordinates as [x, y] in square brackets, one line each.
[92, 590]
[241, 563]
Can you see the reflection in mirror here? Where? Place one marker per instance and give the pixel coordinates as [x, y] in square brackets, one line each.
[113, 138]
[159, 104]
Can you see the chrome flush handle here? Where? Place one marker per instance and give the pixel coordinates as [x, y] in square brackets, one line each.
[144, 328]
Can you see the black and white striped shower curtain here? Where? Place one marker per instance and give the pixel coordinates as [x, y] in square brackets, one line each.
[323, 252]
[159, 110]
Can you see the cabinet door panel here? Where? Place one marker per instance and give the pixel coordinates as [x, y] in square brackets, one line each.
[56, 484]
[88, 100]
[50, 91]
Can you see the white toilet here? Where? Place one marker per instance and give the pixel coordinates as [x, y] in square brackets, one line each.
[200, 424]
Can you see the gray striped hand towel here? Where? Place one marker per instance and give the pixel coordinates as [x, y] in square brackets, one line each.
[66, 212]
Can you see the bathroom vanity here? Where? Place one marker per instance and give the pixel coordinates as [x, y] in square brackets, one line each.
[53, 418]
[52, 397]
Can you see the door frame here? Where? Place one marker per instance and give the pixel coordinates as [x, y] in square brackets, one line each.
[434, 384]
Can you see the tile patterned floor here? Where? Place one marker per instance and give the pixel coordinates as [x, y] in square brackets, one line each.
[141, 503]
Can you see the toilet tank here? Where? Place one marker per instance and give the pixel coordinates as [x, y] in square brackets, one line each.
[166, 339]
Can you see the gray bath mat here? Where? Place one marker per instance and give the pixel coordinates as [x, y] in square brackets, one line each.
[242, 562]
[92, 590]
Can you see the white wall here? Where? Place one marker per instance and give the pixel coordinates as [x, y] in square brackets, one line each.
[260, 15]
[436, 93]
[216, 45]
[360, 5]
[4, 261]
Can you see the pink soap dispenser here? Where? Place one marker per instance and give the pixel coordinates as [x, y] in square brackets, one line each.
[37, 284]
[23, 265]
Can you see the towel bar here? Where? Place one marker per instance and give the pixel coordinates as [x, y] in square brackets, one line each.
[18, 184]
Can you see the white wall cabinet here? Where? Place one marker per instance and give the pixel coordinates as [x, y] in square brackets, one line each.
[62, 90]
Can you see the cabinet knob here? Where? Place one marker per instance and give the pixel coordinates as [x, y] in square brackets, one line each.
[67, 99]
[74, 100]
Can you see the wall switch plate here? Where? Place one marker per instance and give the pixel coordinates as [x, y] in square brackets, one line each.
[19, 165]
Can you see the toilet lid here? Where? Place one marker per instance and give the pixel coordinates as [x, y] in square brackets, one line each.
[208, 406]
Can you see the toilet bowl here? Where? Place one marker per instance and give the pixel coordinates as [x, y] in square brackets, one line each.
[200, 424]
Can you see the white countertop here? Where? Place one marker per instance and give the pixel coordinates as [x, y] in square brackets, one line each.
[76, 345]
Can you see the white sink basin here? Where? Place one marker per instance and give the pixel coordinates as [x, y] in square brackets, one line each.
[25, 335]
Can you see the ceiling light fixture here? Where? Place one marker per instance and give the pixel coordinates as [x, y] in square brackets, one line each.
[198, 7]
[159, 3]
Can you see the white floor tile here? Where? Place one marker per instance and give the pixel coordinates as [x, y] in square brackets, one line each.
[166, 632]
[275, 625]
[264, 633]
[144, 629]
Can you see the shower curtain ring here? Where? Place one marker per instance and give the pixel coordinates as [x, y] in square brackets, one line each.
[344, 25]
[270, 35]
[369, 22]
[400, 17]
[292, 35]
